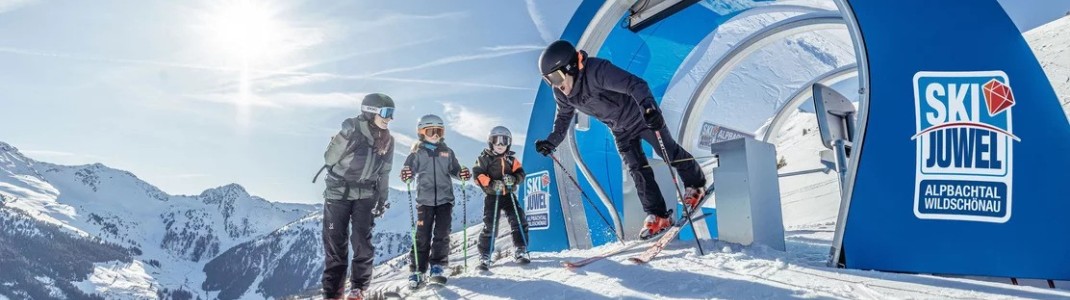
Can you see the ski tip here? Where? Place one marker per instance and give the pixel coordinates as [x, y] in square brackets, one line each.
[568, 265]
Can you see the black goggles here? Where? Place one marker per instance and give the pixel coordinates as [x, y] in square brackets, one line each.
[500, 140]
[555, 78]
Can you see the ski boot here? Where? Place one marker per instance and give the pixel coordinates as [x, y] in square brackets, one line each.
[355, 294]
[692, 197]
[655, 226]
[437, 274]
[521, 256]
[484, 263]
[415, 281]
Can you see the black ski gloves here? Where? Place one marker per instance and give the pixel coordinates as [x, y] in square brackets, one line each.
[654, 121]
[380, 209]
[544, 147]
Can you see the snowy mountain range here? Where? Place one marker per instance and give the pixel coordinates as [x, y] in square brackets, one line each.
[92, 231]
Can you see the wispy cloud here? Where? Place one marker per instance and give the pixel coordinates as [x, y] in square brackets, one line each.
[539, 21]
[289, 77]
[453, 59]
[403, 142]
[286, 100]
[390, 19]
[473, 124]
[514, 47]
[9, 5]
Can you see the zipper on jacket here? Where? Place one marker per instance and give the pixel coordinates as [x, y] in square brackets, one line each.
[434, 174]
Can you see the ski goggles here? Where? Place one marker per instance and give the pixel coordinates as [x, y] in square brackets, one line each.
[433, 131]
[500, 140]
[385, 112]
[555, 78]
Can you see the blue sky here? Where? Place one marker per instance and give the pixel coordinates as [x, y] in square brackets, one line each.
[194, 94]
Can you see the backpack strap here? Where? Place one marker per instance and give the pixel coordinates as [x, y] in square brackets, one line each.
[319, 172]
[349, 148]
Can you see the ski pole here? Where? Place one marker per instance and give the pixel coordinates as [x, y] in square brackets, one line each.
[412, 221]
[653, 163]
[494, 226]
[676, 185]
[588, 199]
[519, 222]
[464, 219]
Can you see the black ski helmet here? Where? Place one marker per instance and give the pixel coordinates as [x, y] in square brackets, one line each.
[374, 103]
[559, 55]
[500, 132]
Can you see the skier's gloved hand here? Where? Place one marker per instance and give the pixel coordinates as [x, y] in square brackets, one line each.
[406, 174]
[653, 118]
[544, 147]
[509, 180]
[464, 174]
[380, 209]
[498, 187]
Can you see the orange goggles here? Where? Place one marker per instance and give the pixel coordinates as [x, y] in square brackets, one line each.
[432, 131]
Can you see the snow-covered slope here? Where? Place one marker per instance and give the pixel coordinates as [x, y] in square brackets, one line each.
[1051, 45]
[728, 271]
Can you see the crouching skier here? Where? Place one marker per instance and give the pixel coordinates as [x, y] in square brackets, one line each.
[357, 161]
[432, 164]
[498, 172]
[626, 105]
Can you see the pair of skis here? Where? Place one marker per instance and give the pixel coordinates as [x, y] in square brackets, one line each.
[666, 237]
[645, 256]
[432, 282]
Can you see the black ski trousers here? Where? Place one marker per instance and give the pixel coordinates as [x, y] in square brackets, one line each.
[631, 152]
[507, 208]
[346, 222]
[432, 236]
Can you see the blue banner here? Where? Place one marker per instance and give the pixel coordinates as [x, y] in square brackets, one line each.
[963, 149]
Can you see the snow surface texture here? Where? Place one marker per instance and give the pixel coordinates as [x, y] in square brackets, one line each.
[1051, 45]
[729, 271]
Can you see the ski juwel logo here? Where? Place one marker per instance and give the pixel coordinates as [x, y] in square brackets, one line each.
[537, 200]
[965, 146]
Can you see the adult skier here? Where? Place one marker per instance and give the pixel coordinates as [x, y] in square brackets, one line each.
[357, 162]
[625, 104]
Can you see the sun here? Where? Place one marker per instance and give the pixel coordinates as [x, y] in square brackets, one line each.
[245, 35]
[245, 31]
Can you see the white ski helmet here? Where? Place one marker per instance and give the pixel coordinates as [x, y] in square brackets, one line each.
[430, 124]
[500, 135]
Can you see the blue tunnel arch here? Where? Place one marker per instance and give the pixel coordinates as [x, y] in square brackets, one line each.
[662, 54]
[876, 219]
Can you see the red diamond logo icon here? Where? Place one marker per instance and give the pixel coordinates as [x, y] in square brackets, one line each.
[998, 96]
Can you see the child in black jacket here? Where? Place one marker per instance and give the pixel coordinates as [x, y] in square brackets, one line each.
[499, 172]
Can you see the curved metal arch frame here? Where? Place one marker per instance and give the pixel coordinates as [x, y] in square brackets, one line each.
[862, 122]
[742, 50]
[802, 93]
[609, 14]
